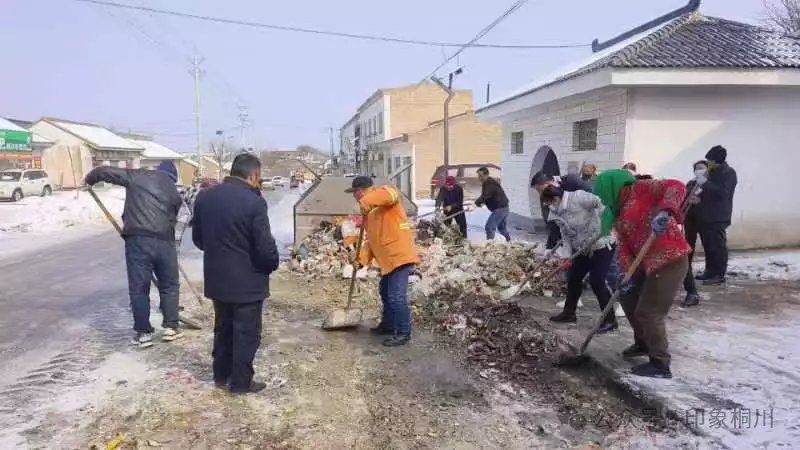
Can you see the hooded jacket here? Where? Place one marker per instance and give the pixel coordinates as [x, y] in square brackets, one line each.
[578, 219]
[569, 183]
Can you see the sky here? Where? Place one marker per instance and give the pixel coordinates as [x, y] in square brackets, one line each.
[129, 70]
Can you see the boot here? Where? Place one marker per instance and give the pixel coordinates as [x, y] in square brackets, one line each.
[652, 369]
[382, 330]
[634, 351]
[564, 317]
[255, 386]
[701, 276]
[714, 281]
[692, 299]
[609, 325]
[397, 340]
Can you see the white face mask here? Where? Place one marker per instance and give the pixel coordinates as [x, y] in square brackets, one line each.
[700, 172]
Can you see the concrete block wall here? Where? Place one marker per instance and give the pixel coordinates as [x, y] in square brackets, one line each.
[552, 125]
[414, 107]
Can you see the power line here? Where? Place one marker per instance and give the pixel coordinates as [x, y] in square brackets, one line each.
[366, 37]
[472, 43]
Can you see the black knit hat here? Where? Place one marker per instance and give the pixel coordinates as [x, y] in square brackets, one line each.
[718, 154]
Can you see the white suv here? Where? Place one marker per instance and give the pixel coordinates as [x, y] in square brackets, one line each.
[18, 183]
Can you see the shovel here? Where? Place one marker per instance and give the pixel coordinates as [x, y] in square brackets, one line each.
[348, 317]
[573, 359]
[186, 321]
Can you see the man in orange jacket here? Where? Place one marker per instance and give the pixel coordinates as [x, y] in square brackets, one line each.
[389, 241]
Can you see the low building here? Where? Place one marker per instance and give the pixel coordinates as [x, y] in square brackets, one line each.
[660, 96]
[471, 142]
[154, 153]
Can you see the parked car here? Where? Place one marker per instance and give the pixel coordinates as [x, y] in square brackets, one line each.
[279, 181]
[466, 176]
[267, 184]
[18, 183]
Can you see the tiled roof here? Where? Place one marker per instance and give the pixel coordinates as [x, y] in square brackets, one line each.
[689, 41]
[697, 41]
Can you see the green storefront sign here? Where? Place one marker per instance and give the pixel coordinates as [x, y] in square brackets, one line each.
[15, 141]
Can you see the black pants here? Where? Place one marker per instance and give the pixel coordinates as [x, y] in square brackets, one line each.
[715, 246]
[237, 336]
[691, 232]
[461, 221]
[596, 266]
[145, 257]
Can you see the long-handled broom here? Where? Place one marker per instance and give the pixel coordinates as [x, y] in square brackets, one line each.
[348, 317]
[186, 321]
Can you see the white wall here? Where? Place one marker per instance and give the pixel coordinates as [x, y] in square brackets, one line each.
[671, 128]
[371, 112]
[551, 124]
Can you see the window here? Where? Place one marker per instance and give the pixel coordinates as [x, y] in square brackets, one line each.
[28, 176]
[380, 123]
[584, 136]
[517, 142]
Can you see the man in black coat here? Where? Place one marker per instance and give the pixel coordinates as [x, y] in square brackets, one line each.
[231, 227]
[495, 199]
[451, 200]
[151, 210]
[569, 183]
[714, 214]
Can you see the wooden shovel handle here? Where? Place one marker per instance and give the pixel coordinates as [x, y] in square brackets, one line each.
[358, 252]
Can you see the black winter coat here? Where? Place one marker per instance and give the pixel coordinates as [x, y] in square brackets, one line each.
[231, 227]
[569, 183]
[716, 198]
[152, 201]
[492, 195]
[454, 198]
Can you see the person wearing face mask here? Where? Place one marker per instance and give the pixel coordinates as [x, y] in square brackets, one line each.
[589, 174]
[691, 231]
[714, 214]
[577, 214]
[569, 183]
[231, 227]
[451, 200]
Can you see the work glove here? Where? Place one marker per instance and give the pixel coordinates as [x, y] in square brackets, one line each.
[448, 209]
[659, 223]
[624, 287]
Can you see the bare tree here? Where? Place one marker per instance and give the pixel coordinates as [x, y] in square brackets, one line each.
[783, 15]
[221, 155]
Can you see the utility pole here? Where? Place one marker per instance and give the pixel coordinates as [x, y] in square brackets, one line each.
[243, 124]
[333, 154]
[446, 120]
[197, 73]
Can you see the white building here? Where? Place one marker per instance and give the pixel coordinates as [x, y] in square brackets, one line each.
[660, 96]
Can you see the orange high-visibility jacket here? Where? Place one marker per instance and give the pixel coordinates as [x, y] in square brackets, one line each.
[389, 237]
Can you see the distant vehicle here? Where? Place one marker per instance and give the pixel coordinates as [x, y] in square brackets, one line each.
[466, 176]
[18, 183]
[266, 183]
[294, 182]
[279, 181]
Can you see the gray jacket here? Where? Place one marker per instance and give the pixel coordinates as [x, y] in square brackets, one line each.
[578, 218]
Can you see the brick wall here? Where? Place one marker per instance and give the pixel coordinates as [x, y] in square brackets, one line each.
[552, 124]
[414, 107]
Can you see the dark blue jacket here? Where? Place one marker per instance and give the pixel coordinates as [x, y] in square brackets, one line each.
[231, 227]
[716, 198]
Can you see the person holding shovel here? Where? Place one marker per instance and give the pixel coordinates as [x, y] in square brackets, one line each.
[577, 215]
[390, 242]
[149, 217]
[637, 209]
[451, 200]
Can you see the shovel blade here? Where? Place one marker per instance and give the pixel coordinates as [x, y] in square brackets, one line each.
[512, 291]
[343, 318]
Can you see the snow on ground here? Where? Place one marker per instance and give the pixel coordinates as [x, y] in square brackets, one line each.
[763, 265]
[37, 222]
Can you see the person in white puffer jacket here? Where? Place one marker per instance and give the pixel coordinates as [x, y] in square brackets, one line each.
[577, 215]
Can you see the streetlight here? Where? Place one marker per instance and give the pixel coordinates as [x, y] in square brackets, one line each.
[446, 121]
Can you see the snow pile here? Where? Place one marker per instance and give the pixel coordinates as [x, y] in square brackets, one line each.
[782, 265]
[59, 212]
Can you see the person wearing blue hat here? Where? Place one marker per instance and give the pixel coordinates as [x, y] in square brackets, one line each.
[149, 217]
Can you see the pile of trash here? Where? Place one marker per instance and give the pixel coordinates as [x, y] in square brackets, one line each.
[430, 229]
[487, 270]
[327, 252]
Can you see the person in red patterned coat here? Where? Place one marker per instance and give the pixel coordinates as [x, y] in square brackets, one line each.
[636, 209]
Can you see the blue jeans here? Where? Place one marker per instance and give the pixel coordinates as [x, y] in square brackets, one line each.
[144, 257]
[394, 295]
[497, 221]
[612, 276]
